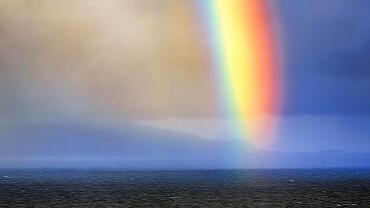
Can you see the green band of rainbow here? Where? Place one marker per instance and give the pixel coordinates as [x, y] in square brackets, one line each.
[245, 63]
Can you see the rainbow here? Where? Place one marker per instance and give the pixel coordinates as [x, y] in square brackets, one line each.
[245, 64]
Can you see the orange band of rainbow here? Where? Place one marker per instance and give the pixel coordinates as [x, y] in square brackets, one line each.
[245, 61]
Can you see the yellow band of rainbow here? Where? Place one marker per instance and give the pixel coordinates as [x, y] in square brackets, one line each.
[245, 61]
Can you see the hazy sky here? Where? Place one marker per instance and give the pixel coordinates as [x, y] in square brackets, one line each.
[144, 62]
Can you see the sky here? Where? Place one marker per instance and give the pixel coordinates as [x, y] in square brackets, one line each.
[142, 67]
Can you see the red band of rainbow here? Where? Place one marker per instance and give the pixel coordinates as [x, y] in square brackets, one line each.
[245, 61]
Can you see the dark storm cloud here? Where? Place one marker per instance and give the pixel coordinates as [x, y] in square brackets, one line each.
[326, 56]
[348, 63]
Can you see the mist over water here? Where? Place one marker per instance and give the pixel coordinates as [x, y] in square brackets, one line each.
[164, 103]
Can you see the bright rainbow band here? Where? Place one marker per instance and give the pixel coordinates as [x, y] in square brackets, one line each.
[245, 63]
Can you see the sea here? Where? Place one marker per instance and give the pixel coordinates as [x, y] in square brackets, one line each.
[90, 188]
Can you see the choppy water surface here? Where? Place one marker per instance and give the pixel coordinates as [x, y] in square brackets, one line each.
[213, 188]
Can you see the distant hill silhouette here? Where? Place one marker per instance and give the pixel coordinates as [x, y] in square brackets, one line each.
[66, 145]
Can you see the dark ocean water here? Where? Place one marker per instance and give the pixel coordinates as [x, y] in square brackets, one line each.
[208, 188]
